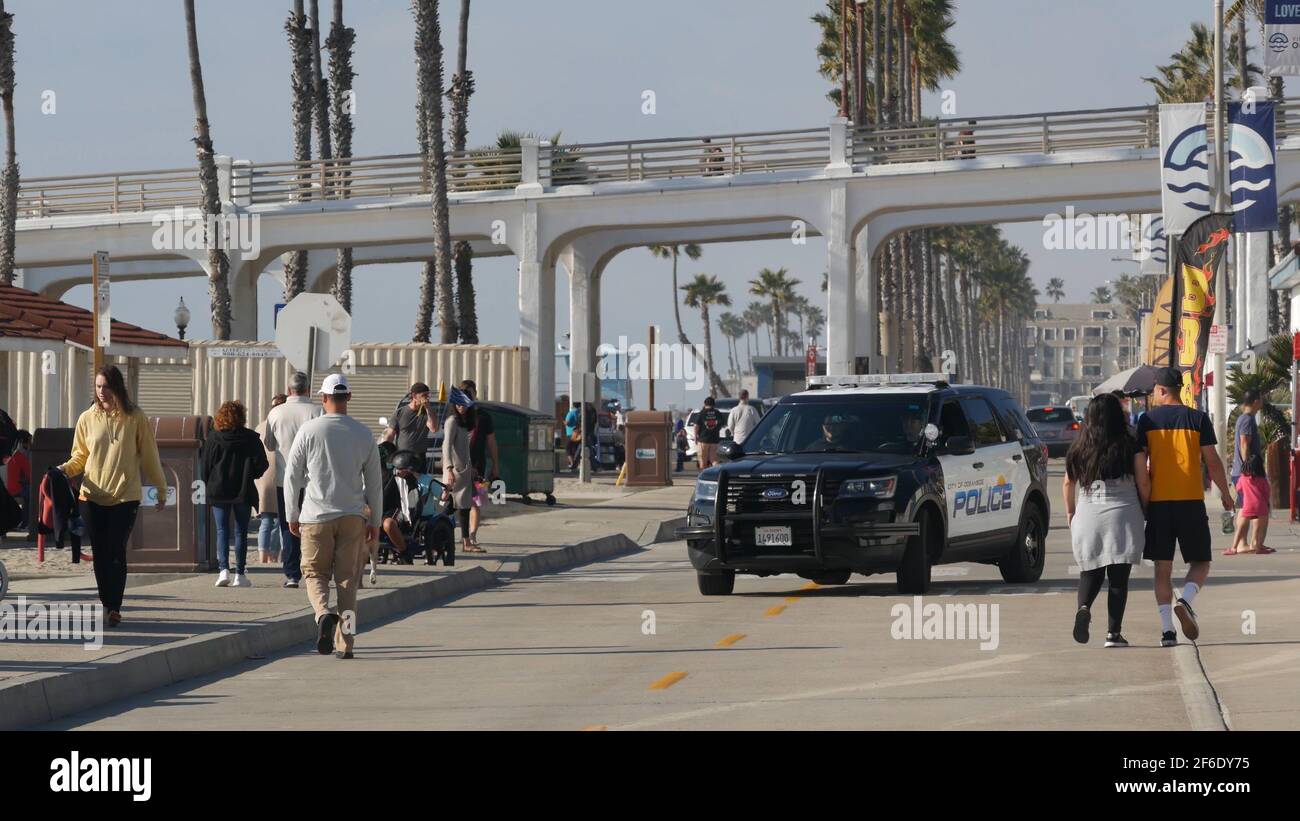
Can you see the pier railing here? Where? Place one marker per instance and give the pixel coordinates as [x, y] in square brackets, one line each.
[550, 166]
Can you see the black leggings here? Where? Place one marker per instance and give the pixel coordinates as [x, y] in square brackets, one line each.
[1117, 595]
[110, 531]
[462, 515]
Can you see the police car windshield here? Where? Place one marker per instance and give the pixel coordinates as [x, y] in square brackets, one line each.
[853, 424]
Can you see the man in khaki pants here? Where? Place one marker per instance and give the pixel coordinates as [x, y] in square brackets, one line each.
[335, 460]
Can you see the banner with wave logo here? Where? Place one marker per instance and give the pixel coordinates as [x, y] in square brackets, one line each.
[1184, 165]
[1252, 167]
[1281, 37]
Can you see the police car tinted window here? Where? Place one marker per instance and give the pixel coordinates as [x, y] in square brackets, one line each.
[952, 422]
[873, 424]
[1013, 419]
[984, 427]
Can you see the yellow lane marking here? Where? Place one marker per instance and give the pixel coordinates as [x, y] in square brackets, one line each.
[595, 727]
[668, 681]
[810, 586]
[730, 640]
[793, 599]
[775, 610]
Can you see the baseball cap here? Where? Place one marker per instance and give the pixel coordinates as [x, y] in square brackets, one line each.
[335, 383]
[1169, 377]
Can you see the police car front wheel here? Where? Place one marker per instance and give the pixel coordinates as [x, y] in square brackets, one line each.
[718, 583]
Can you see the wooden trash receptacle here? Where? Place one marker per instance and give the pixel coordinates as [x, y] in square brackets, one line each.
[648, 448]
[181, 536]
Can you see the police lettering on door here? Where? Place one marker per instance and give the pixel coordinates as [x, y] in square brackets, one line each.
[979, 498]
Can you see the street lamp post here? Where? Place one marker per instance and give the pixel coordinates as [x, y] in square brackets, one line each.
[1220, 409]
[182, 318]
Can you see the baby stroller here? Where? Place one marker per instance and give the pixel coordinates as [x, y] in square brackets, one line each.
[424, 523]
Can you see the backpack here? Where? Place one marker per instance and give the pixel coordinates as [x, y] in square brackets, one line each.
[8, 435]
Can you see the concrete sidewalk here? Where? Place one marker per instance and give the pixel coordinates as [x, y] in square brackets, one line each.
[177, 626]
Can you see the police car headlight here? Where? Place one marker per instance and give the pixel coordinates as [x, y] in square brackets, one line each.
[881, 487]
[706, 490]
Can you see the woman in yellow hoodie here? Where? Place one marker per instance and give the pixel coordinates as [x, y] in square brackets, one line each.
[113, 443]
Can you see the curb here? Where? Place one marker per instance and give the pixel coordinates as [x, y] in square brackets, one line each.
[46, 697]
[51, 696]
[1204, 711]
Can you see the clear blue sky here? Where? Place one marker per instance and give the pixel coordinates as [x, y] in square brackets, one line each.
[123, 102]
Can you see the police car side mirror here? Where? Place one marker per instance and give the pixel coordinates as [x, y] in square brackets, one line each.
[959, 446]
[729, 451]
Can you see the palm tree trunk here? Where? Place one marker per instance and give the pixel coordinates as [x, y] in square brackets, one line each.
[428, 56]
[301, 86]
[9, 180]
[321, 95]
[890, 79]
[877, 59]
[210, 200]
[339, 43]
[677, 308]
[462, 86]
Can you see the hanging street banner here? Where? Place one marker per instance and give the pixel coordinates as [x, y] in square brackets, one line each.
[1150, 245]
[1252, 166]
[1184, 165]
[1281, 38]
[1199, 262]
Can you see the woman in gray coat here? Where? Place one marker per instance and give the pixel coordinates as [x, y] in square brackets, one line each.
[1107, 487]
[457, 466]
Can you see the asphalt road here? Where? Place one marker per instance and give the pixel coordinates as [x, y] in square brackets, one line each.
[631, 644]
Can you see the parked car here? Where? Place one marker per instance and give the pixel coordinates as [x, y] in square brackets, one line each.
[1056, 425]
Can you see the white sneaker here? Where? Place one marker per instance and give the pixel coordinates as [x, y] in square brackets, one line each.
[241, 581]
[223, 580]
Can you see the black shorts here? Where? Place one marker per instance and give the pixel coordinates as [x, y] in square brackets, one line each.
[1183, 521]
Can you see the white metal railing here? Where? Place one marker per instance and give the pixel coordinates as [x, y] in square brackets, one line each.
[390, 175]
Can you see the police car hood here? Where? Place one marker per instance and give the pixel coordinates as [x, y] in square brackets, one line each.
[789, 463]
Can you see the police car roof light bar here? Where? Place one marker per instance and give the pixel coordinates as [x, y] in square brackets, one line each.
[875, 379]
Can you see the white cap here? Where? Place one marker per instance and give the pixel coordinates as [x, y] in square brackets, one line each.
[335, 383]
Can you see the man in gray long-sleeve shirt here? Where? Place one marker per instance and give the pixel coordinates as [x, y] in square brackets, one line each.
[335, 461]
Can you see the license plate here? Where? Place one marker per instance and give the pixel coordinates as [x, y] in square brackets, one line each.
[778, 536]
[1049, 434]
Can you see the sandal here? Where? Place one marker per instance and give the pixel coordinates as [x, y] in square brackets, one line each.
[472, 548]
[1262, 549]
[1231, 552]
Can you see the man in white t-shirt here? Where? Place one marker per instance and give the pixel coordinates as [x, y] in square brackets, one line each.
[742, 419]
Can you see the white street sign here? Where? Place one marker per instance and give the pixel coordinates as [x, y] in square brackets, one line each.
[104, 320]
[1218, 339]
[313, 315]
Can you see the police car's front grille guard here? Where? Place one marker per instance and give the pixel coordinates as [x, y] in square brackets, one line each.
[720, 512]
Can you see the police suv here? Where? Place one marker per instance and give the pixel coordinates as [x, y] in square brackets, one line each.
[885, 473]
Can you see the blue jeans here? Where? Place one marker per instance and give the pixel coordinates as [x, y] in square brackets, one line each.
[290, 547]
[268, 534]
[232, 517]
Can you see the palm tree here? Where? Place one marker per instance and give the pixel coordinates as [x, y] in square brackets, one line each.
[1189, 76]
[210, 198]
[302, 101]
[701, 292]
[1056, 289]
[1100, 295]
[733, 328]
[462, 86]
[692, 252]
[756, 316]
[438, 276]
[9, 178]
[816, 320]
[320, 89]
[798, 307]
[778, 289]
[339, 43]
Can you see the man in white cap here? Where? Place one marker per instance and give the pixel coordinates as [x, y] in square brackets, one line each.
[335, 461]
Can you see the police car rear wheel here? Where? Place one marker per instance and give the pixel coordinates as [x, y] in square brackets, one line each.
[720, 583]
[1024, 560]
[914, 570]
